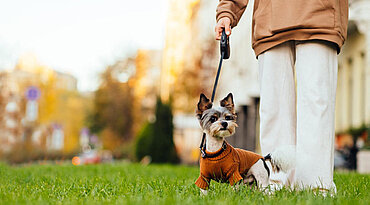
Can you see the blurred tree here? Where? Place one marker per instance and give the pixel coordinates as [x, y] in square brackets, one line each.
[112, 115]
[163, 145]
[194, 76]
[156, 139]
[145, 84]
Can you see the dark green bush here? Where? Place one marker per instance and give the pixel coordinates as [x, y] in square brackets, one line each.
[156, 139]
[358, 131]
[144, 141]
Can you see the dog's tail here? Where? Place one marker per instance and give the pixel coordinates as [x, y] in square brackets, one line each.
[283, 158]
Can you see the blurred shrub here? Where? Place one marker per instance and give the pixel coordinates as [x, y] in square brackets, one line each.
[358, 131]
[156, 139]
[125, 151]
[22, 153]
[144, 141]
[361, 133]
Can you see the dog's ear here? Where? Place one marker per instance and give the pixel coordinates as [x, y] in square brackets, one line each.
[228, 103]
[203, 104]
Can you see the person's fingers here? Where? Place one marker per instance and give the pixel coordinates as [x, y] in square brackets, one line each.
[217, 27]
[222, 23]
[218, 31]
[227, 28]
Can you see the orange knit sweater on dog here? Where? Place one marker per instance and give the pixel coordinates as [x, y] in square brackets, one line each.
[230, 166]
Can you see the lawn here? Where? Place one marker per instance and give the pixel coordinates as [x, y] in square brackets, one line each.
[124, 183]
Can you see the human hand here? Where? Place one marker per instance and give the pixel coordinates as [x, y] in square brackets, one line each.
[224, 22]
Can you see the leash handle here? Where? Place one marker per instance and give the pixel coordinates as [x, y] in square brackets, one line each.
[224, 45]
[225, 54]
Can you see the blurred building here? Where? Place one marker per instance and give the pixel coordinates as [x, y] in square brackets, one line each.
[14, 126]
[11, 114]
[190, 48]
[353, 91]
[29, 71]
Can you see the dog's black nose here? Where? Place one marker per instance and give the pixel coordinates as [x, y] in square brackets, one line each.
[224, 124]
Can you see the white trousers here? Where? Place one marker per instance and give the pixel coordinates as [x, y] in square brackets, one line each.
[300, 114]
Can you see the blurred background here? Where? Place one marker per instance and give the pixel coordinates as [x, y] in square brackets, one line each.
[93, 81]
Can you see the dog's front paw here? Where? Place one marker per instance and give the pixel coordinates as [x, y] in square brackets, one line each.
[236, 187]
[204, 192]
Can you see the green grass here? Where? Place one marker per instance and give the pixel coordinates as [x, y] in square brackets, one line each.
[155, 184]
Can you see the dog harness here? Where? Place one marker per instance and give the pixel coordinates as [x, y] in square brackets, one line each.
[228, 165]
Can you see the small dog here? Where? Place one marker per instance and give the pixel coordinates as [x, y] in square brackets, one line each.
[224, 163]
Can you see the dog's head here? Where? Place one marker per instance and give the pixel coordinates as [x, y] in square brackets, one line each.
[220, 121]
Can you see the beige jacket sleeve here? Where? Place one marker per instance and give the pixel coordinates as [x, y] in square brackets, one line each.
[232, 9]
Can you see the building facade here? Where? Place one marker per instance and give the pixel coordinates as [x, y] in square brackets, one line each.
[16, 126]
[353, 91]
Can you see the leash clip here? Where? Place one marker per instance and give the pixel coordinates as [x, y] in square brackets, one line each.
[203, 153]
[224, 146]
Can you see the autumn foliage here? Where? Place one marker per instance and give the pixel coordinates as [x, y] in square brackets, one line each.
[112, 116]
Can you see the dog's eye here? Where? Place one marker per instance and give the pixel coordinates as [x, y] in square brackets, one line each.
[229, 118]
[213, 119]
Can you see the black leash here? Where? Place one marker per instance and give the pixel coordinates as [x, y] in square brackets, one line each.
[225, 54]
